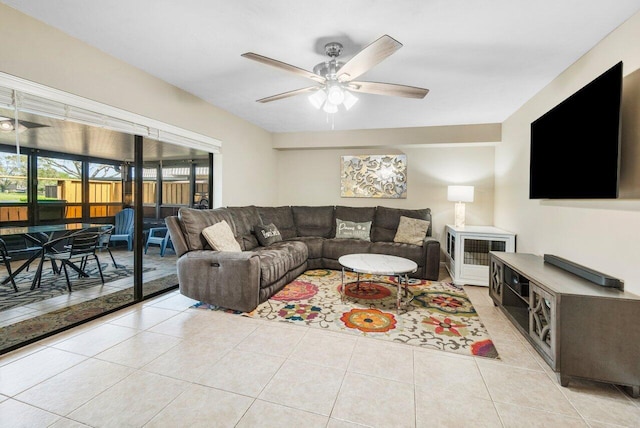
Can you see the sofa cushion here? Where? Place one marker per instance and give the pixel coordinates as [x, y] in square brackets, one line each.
[387, 220]
[314, 221]
[314, 245]
[220, 237]
[353, 230]
[193, 221]
[245, 218]
[282, 217]
[411, 231]
[267, 234]
[334, 248]
[408, 251]
[278, 259]
[357, 214]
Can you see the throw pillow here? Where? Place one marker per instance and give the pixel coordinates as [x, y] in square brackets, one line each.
[411, 231]
[267, 234]
[220, 237]
[351, 229]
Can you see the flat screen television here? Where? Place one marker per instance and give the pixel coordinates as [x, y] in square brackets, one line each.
[575, 147]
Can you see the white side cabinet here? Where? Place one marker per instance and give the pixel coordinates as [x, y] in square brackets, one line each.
[467, 249]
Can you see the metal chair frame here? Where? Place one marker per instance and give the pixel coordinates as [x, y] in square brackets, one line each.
[82, 248]
[6, 260]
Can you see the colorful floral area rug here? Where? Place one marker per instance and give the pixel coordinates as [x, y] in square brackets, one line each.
[439, 316]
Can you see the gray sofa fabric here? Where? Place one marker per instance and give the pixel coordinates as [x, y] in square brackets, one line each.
[387, 220]
[282, 217]
[314, 221]
[242, 280]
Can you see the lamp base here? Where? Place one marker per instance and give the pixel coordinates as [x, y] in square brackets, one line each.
[459, 214]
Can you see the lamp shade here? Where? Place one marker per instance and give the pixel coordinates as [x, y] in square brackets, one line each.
[460, 193]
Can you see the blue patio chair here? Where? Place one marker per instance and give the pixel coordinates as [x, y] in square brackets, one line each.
[159, 236]
[123, 228]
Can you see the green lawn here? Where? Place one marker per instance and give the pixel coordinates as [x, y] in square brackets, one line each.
[20, 197]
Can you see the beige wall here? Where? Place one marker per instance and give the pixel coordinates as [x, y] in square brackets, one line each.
[604, 234]
[42, 54]
[312, 177]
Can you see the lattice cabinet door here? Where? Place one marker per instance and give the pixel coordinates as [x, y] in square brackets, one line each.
[542, 321]
[496, 278]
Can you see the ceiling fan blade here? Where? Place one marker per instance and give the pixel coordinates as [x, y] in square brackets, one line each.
[284, 66]
[288, 94]
[368, 57]
[388, 89]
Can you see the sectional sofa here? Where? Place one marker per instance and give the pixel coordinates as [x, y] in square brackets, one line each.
[241, 280]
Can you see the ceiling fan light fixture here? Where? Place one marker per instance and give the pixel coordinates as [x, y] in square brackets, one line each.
[6, 125]
[335, 95]
[330, 107]
[334, 79]
[318, 98]
[349, 100]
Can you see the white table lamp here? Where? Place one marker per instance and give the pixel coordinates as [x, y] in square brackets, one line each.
[460, 195]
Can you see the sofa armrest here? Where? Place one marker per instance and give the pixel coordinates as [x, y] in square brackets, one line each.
[175, 232]
[432, 258]
[227, 279]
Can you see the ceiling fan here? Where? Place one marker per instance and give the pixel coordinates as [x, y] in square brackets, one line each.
[8, 125]
[335, 79]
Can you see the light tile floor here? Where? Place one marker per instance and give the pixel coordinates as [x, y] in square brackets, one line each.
[161, 364]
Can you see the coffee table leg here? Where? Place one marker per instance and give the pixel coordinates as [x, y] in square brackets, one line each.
[402, 289]
[399, 297]
[342, 291]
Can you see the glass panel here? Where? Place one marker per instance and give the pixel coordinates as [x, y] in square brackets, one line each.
[175, 186]
[59, 183]
[149, 180]
[60, 189]
[105, 183]
[202, 187]
[105, 189]
[13, 187]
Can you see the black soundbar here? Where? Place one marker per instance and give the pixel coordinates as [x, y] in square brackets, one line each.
[594, 276]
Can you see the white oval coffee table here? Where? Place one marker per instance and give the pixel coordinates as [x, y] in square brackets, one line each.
[379, 264]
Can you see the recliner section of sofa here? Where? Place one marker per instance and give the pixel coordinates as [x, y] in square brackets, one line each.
[242, 280]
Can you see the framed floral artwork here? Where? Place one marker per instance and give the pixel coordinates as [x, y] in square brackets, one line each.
[373, 176]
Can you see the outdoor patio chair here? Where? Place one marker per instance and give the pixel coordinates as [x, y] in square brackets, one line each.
[6, 259]
[103, 242]
[159, 236]
[123, 229]
[82, 247]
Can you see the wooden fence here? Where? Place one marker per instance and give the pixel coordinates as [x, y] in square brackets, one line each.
[102, 193]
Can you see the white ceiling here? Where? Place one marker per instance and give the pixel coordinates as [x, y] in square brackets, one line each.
[481, 59]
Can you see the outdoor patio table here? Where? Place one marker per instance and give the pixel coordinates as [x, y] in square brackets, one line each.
[40, 236]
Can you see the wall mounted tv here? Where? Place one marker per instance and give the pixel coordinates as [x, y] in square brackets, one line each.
[575, 147]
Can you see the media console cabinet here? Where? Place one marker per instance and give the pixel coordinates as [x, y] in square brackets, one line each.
[580, 329]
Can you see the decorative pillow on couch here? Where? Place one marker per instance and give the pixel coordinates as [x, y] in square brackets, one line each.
[267, 234]
[411, 231]
[220, 237]
[351, 229]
